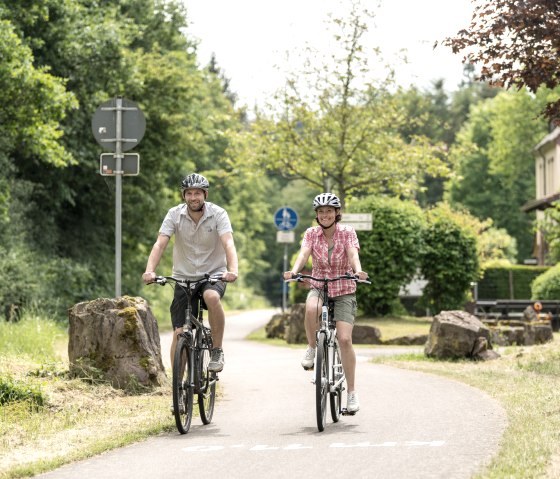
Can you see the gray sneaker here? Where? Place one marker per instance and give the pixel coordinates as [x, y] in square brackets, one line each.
[353, 403]
[308, 360]
[217, 361]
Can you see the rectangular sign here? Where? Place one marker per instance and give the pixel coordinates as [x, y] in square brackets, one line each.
[359, 221]
[285, 237]
[130, 164]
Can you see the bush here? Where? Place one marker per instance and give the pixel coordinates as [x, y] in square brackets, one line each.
[547, 285]
[390, 252]
[450, 259]
[16, 391]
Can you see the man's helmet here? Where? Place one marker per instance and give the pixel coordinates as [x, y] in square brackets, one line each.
[194, 180]
[326, 199]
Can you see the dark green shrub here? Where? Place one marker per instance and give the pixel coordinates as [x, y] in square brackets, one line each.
[450, 260]
[16, 391]
[547, 285]
[390, 252]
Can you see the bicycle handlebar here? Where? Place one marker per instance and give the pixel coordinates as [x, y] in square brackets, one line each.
[163, 280]
[300, 277]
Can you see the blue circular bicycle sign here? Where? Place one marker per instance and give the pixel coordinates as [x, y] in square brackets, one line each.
[285, 219]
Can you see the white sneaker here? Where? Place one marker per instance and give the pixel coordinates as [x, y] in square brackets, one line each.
[308, 358]
[353, 403]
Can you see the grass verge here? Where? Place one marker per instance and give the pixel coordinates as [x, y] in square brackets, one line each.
[47, 420]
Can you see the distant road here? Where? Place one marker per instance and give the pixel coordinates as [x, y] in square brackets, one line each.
[411, 425]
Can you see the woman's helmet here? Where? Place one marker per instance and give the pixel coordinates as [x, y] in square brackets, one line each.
[326, 199]
[194, 180]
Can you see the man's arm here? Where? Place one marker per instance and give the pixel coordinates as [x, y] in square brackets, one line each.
[155, 256]
[231, 257]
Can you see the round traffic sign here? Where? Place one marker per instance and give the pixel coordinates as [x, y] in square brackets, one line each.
[285, 219]
[104, 124]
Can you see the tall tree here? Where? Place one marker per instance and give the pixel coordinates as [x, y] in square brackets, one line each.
[339, 131]
[494, 163]
[516, 43]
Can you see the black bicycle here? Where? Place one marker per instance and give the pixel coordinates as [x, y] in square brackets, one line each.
[190, 363]
[330, 379]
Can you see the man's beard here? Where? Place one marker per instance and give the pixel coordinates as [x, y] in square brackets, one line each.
[196, 210]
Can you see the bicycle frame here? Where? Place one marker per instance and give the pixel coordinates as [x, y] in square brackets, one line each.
[190, 363]
[328, 327]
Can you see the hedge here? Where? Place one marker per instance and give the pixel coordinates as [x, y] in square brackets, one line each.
[508, 281]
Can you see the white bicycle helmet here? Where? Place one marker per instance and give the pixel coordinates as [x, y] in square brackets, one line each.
[194, 180]
[326, 199]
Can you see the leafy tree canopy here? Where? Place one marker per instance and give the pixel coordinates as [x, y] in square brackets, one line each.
[516, 43]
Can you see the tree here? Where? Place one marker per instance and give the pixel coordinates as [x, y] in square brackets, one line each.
[516, 43]
[340, 131]
[494, 163]
[68, 58]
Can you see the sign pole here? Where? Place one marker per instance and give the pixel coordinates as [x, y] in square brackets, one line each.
[284, 284]
[118, 199]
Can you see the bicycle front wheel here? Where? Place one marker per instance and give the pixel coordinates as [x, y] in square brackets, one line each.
[321, 381]
[182, 385]
[207, 393]
[337, 374]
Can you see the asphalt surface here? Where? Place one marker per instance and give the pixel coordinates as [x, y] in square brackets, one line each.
[411, 425]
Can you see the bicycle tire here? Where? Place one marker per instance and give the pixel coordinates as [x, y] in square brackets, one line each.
[321, 381]
[182, 385]
[207, 391]
[336, 396]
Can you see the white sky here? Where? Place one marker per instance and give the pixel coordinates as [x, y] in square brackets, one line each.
[251, 37]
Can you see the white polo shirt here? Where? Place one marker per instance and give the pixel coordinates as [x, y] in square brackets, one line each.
[198, 249]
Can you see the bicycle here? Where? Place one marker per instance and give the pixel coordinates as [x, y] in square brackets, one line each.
[192, 355]
[329, 374]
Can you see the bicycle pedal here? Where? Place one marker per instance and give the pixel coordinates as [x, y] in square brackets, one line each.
[345, 412]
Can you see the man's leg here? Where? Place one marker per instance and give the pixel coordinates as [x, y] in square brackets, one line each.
[216, 316]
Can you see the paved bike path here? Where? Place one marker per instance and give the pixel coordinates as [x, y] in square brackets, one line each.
[411, 425]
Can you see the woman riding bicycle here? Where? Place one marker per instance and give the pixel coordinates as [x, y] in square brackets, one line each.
[334, 252]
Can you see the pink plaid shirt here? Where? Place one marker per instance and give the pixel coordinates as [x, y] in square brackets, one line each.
[344, 237]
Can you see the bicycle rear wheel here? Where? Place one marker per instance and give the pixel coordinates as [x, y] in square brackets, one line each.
[207, 393]
[337, 373]
[182, 385]
[321, 381]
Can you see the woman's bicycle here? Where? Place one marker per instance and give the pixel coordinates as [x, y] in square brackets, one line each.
[190, 363]
[330, 379]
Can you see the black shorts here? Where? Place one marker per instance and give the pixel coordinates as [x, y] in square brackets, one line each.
[179, 303]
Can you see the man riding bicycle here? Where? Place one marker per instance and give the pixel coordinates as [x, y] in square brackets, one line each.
[334, 252]
[203, 245]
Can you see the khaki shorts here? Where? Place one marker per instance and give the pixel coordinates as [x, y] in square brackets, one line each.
[345, 306]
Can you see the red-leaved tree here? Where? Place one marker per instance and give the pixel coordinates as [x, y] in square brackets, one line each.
[516, 43]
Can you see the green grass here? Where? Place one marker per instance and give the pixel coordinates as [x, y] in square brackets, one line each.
[33, 337]
[395, 327]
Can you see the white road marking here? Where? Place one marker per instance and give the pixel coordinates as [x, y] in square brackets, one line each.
[298, 446]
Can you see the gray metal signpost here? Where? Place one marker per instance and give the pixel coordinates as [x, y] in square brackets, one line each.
[118, 125]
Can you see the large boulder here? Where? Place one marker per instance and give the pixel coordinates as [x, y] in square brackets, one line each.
[520, 333]
[364, 334]
[457, 334]
[116, 340]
